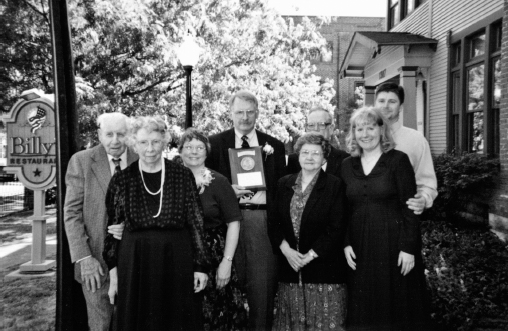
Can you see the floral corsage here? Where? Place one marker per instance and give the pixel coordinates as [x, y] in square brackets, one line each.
[204, 180]
[268, 149]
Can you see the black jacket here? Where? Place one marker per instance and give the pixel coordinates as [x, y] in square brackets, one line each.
[323, 227]
[274, 165]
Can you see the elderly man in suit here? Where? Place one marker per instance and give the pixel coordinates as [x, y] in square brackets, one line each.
[254, 259]
[320, 120]
[87, 180]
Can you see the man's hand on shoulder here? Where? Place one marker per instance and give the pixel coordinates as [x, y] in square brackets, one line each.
[417, 204]
[91, 272]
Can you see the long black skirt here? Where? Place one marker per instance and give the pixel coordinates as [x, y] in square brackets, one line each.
[155, 282]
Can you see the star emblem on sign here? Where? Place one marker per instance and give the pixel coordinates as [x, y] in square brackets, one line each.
[37, 172]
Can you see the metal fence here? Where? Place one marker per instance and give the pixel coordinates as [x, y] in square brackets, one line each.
[12, 198]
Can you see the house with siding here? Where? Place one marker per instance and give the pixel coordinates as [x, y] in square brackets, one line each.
[451, 56]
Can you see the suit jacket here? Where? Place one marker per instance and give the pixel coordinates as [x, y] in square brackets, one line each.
[333, 166]
[87, 178]
[274, 164]
[322, 229]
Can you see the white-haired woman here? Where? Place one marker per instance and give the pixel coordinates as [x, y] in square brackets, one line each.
[386, 287]
[162, 259]
[307, 226]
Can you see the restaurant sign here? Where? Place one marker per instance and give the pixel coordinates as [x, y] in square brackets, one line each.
[31, 143]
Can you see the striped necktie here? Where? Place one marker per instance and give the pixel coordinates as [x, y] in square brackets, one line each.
[117, 165]
[245, 143]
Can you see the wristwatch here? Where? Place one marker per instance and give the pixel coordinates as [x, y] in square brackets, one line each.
[229, 258]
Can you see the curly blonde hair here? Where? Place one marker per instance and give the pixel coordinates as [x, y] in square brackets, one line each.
[368, 115]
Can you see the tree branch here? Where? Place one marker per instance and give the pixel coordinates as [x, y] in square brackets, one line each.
[131, 93]
[37, 11]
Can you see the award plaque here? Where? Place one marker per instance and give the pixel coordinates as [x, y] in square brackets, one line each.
[247, 168]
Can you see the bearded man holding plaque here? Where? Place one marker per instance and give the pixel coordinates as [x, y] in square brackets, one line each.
[254, 259]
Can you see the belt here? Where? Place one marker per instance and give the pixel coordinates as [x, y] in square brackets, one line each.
[252, 206]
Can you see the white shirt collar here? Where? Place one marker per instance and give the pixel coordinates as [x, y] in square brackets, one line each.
[123, 161]
[249, 135]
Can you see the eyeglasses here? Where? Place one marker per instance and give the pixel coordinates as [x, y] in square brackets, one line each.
[145, 143]
[317, 125]
[240, 113]
[199, 149]
[314, 154]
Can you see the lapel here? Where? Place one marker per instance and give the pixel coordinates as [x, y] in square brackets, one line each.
[262, 140]
[331, 168]
[288, 196]
[100, 167]
[131, 156]
[314, 197]
[228, 141]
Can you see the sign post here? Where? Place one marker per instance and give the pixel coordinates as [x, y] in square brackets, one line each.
[31, 155]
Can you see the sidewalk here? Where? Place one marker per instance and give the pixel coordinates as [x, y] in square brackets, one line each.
[16, 239]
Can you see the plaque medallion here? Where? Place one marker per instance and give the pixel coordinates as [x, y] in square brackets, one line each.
[247, 163]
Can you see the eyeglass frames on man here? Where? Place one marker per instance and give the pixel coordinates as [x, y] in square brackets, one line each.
[317, 125]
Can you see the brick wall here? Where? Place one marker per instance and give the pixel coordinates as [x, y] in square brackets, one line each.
[500, 206]
[340, 31]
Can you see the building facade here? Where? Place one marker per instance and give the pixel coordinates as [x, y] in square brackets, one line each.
[338, 33]
[451, 56]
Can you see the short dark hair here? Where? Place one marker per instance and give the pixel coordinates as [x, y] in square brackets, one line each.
[193, 133]
[314, 139]
[392, 87]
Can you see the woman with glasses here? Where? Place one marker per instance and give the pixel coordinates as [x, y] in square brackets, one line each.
[306, 228]
[223, 307]
[386, 286]
[162, 259]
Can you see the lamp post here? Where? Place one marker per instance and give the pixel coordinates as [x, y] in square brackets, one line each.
[188, 54]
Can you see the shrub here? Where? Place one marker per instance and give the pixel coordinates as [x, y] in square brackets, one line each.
[467, 274]
[462, 179]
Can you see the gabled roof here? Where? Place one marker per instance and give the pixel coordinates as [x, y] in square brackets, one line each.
[365, 45]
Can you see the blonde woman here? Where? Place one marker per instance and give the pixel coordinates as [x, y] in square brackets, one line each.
[386, 286]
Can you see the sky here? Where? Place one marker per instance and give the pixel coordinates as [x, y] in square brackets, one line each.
[359, 8]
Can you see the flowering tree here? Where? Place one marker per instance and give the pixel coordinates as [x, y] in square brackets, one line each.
[125, 60]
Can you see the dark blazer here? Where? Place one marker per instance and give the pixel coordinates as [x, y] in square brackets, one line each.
[333, 167]
[274, 164]
[323, 228]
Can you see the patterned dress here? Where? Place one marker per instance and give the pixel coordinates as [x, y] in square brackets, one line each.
[304, 306]
[158, 255]
[222, 309]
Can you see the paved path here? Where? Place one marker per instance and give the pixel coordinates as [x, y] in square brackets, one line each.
[17, 248]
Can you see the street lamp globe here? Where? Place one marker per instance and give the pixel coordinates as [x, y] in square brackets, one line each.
[188, 52]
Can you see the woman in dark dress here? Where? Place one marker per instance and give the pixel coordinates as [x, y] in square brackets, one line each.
[386, 286]
[162, 258]
[223, 306]
[307, 227]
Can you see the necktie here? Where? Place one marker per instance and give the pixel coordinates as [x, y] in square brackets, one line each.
[117, 165]
[245, 143]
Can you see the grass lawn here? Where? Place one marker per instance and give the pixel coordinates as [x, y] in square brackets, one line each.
[28, 304]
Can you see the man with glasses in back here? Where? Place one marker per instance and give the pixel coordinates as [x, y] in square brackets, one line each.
[254, 259]
[319, 120]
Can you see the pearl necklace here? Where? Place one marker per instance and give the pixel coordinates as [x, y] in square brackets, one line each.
[161, 189]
